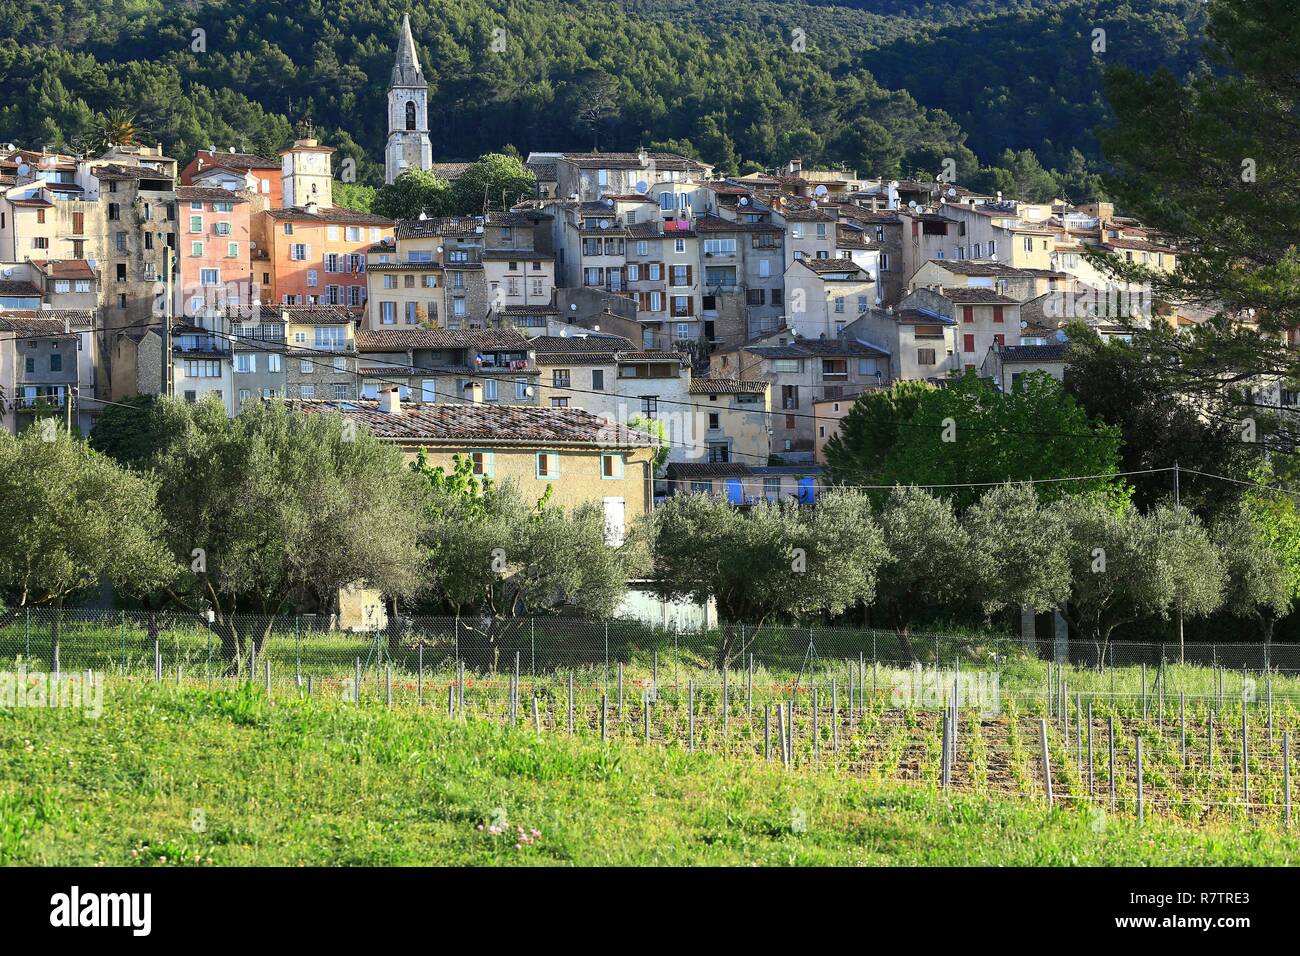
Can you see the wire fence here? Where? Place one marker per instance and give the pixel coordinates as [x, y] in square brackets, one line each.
[140, 642]
[988, 715]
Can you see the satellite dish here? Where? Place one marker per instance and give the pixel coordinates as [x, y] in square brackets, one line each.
[642, 186]
[911, 204]
[573, 307]
[24, 169]
[440, 248]
[951, 191]
[8, 272]
[744, 200]
[423, 215]
[529, 391]
[604, 224]
[820, 191]
[609, 202]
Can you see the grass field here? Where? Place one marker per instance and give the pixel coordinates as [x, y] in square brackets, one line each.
[182, 775]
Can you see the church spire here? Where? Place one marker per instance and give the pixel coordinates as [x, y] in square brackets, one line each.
[406, 71]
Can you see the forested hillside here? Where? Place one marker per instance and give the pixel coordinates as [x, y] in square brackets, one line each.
[882, 85]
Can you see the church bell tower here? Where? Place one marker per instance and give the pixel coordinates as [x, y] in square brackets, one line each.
[408, 112]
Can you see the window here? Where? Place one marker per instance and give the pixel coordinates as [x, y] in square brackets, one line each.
[789, 396]
[839, 304]
[329, 337]
[650, 405]
[925, 356]
[598, 380]
[244, 395]
[245, 362]
[560, 378]
[340, 363]
[719, 453]
[209, 277]
[611, 466]
[202, 368]
[305, 366]
[720, 247]
[968, 313]
[683, 331]
[679, 245]
[56, 362]
[968, 343]
[223, 229]
[232, 250]
[196, 223]
[298, 251]
[785, 365]
[306, 391]
[548, 464]
[559, 403]
[714, 419]
[997, 313]
[196, 248]
[273, 362]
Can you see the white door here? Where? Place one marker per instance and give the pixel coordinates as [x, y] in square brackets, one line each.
[614, 521]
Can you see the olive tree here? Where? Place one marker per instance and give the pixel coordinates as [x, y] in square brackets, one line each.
[1259, 545]
[928, 564]
[276, 506]
[769, 560]
[73, 518]
[1126, 565]
[1017, 549]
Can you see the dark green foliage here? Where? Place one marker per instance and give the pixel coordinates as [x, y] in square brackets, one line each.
[718, 79]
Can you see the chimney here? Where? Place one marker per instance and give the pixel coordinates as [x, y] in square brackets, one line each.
[474, 392]
[390, 400]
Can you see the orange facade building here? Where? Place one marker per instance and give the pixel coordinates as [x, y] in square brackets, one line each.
[212, 249]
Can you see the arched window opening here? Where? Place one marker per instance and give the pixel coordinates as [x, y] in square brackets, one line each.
[410, 114]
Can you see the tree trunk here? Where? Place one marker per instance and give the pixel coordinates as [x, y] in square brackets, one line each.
[55, 634]
[393, 626]
[231, 645]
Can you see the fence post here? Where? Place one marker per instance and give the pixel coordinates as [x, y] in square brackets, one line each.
[789, 716]
[308, 685]
[726, 700]
[1047, 760]
[419, 685]
[690, 713]
[1286, 774]
[297, 650]
[266, 666]
[835, 718]
[460, 687]
[157, 659]
[946, 750]
[356, 682]
[570, 703]
[603, 703]
[537, 716]
[817, 740]
[852, 699]
[514, 703]
[645, 716]
[767, 733]
[785, 748]
[1245, 762]
[620, 692]
[1141, 805]
[532, 643]
[1268, 691]
[1092, 777]
[1111, 741]
[1182, 725]
[1209, 741]
[451, 699]
[388, 683]
[654, 673]
[1078, 730]
[1144, 690]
